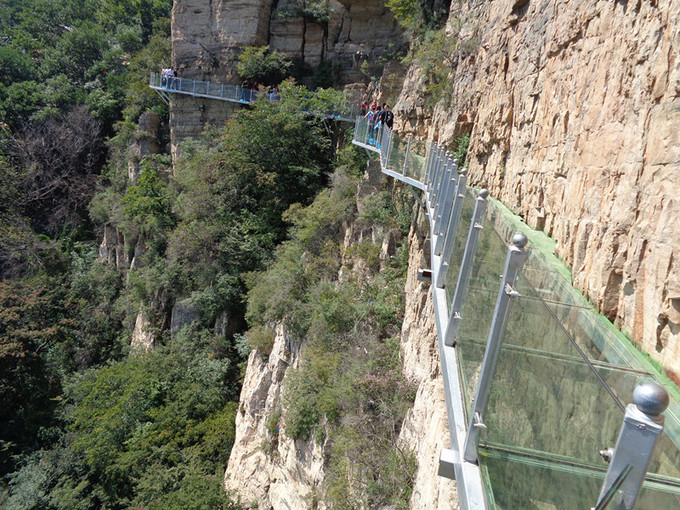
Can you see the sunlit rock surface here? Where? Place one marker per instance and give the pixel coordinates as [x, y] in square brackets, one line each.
[575, 108]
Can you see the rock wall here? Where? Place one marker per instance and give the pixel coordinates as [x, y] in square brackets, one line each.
[574, 110]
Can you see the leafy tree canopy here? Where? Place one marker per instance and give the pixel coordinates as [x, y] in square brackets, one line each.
[259, 65]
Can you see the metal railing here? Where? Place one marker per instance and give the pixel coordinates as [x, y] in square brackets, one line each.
[231, 93]
[533, 379]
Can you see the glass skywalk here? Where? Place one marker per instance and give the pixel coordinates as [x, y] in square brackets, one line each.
[563, 376]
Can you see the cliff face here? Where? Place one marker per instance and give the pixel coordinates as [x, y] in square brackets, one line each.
[574, 108]
[208, 36]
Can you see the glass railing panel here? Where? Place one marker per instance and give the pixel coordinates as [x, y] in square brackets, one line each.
[555, 405]
[534, 483]
[655, 496]
[185, 85]
[361, 130]
[537, 324]
[459, 244]
[470, 354]
[666, 458]
[480, 302]
[415, 161]
[395, 158]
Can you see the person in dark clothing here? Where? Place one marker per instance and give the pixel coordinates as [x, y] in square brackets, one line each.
[245, 91]
[386, 116]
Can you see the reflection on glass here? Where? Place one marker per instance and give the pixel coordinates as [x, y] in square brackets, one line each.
[612, 496]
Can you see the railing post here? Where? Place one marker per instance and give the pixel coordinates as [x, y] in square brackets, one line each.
[642, 426]
[435, 172]
[452, 228]
[193, 86]
[513, 263]
[408, 148]
[428, 163]
[460, 294]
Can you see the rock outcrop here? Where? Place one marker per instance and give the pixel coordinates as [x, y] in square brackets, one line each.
[267, 469]
[574, 108]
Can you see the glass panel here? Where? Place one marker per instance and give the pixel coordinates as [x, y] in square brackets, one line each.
[459, 246]
[527, 483]
[654, 496]
[415, 163]
[543, 403]
[395, 159]
[520, 481]
[487, 267]
[470, 355]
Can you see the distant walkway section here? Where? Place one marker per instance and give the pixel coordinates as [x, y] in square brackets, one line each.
[222, 92]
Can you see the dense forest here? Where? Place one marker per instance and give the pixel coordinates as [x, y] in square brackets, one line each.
[243, 230]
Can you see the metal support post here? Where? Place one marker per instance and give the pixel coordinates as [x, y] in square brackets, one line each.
[452, 228]
[193, 86]
[433, 171]
[513, 263]
[460, 294]
[438, 187]
[408, 148]
[437, 168]
[642, 426]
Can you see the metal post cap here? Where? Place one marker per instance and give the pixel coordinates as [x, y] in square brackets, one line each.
[651, 398]
[463, 171]
[483, 192]
[519, 240]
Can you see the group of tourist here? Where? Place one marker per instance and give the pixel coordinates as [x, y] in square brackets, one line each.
[378, 116]
[169, 78]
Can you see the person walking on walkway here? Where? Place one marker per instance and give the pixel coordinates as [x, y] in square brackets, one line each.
[245, 90]
[371, 123]
[386, 116]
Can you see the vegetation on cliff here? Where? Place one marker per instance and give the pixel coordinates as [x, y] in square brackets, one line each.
[348, 393]
[85, 422]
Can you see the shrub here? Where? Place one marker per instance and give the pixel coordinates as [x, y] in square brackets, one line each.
[460, 145]
[261, 338]
[258, 65]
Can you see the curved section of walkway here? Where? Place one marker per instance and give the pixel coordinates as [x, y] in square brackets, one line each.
[536, 381]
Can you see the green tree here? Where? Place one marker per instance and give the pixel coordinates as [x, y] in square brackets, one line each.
[259, 65]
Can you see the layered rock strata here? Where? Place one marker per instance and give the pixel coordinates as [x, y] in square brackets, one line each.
[574, 108]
